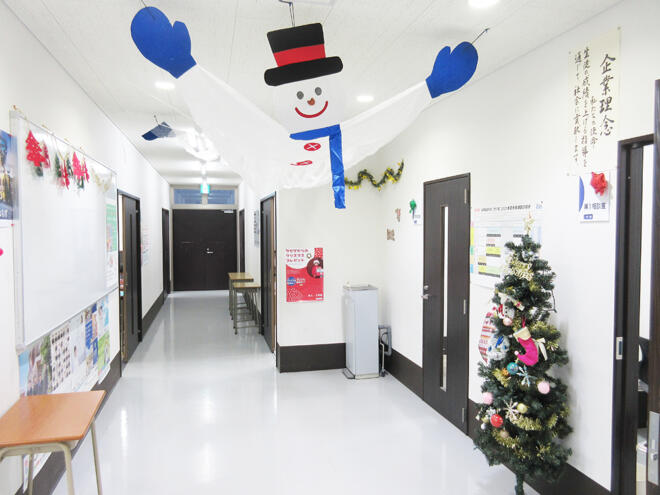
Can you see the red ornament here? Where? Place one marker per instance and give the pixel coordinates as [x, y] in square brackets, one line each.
[77, 169]
[599, 183]
[44, 148]
[496, 420]
[34, 153]
[84, 170]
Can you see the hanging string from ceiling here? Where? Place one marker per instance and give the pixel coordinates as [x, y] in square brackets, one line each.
[480, 35]
[291, 12]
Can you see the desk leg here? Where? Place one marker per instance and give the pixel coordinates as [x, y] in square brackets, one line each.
[31, 474]
[235, 311]
[97, 467]
[69, 471]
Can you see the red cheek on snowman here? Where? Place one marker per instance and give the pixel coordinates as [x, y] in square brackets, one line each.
[311, 116]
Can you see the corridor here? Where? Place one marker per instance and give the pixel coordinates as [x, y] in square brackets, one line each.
[200, 410]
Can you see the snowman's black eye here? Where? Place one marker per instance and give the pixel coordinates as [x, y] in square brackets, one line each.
[300, 95]
[318, 91]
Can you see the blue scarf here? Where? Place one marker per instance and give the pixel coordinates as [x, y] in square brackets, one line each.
[336, 158]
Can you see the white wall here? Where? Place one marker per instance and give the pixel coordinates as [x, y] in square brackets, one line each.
[40, 87]
[510, 131]
[352, 241]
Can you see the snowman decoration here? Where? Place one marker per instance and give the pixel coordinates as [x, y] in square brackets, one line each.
[310, 144]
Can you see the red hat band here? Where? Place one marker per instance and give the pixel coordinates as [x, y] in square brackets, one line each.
[299, 54]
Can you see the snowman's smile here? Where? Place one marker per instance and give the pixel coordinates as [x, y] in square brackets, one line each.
[311, 116]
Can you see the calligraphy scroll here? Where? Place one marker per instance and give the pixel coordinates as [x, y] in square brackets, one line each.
[594, 104]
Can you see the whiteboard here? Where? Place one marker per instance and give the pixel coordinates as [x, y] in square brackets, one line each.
[65, 240]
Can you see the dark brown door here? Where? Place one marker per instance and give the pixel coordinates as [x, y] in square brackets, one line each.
[241, 237]
[445, 293]
[166, 251]
[204, 248]
[269, 272]
[131, 277]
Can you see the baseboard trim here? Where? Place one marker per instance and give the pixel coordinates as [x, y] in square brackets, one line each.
[49, 476]
[311, 357]
[572, 481]
[406, 371]
[149, 318]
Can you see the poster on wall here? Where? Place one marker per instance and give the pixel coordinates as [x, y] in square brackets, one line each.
[7, 176]
[594, 104]
[145, 247]
[491, 228]
[304, 274]
[72, 358]
[594, 201]
[256, 228]
[111, 244]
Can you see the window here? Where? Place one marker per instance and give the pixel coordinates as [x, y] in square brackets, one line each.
[222, 197]
[187, 197]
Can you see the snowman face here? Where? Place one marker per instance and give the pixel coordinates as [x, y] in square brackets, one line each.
[310, 104]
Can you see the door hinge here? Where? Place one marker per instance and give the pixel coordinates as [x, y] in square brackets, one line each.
[464, 306]
[463, 415]
[465, 196]
[619, 348]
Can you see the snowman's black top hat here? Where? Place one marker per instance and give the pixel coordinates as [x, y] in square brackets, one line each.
[300, 54]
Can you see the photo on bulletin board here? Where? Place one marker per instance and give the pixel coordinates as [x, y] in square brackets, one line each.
[7, 178]
[304, 274]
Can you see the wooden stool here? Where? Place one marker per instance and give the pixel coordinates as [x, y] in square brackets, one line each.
[49, 423]
[236, 277]
[250, 291]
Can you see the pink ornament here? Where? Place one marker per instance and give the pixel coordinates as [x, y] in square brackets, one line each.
[544, 387]
[531, 356]
[487, 398]
[507, 321]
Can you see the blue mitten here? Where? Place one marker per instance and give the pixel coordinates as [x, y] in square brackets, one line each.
[452, 69]
[166, 45]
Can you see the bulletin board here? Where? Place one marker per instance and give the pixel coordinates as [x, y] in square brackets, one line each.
[65, 239]
[493, 227]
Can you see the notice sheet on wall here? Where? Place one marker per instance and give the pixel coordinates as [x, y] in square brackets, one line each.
[491, 229]
[304, 274]
[72, 358]
[7, 177]
[594, 104]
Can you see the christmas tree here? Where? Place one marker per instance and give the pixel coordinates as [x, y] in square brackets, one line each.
[524, 409]
[34, 153]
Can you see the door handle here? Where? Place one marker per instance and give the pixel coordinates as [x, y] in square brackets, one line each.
[653, 448]
[425, 296]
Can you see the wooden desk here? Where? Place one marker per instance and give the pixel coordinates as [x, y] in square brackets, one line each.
[250, 291]
[49, 423]
[234, 278]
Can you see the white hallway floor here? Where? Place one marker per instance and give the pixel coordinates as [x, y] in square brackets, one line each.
[200, 410]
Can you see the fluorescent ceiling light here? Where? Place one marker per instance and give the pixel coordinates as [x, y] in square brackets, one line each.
[482, 4]
[165, 85]
[365, 98]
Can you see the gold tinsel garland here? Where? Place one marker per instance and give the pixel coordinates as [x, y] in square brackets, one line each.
[388, 175]
[510, 443]
[527, 424]
[501, 377]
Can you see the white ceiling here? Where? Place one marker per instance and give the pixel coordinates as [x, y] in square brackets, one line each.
[386, 46]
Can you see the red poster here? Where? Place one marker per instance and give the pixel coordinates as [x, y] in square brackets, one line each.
[304, 274]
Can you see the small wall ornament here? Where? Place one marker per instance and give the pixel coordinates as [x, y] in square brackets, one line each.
[390, 234]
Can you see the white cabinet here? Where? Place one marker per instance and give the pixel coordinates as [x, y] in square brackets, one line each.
[360, 319]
